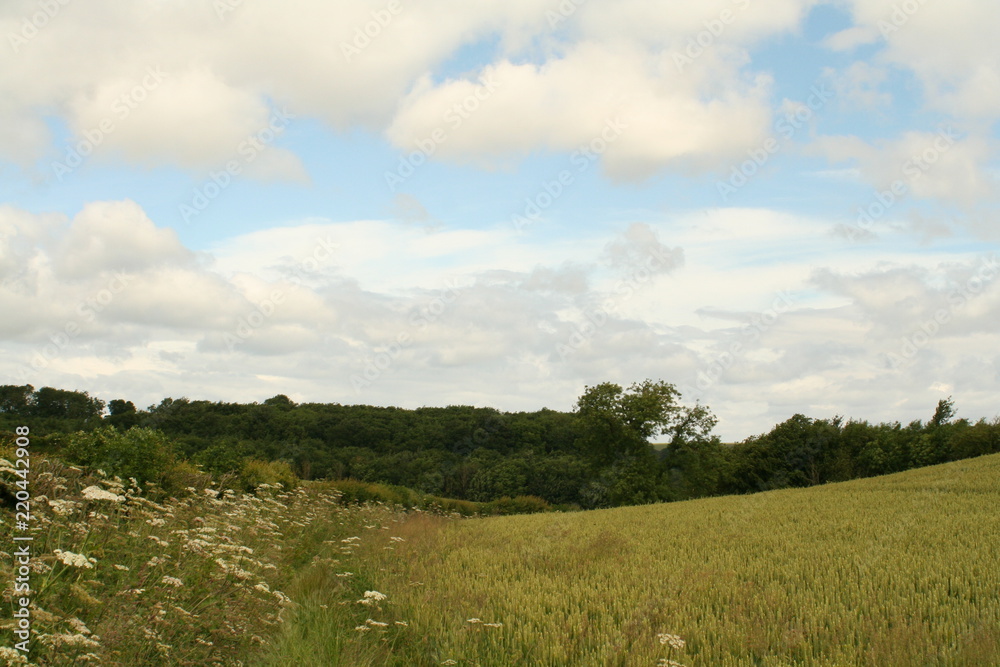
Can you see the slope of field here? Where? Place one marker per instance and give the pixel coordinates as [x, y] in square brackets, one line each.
[899, 570]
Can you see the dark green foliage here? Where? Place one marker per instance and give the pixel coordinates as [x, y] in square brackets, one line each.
[141, 453]
[596, 456]
[518, 505]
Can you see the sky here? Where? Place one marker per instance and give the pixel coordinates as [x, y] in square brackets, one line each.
[778, 206]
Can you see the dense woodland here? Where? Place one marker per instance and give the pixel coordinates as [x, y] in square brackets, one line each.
[596, 456]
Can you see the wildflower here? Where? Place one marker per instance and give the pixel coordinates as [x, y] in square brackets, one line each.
[362, 628]
[172, 581]
[67, 640]
[372, 597]
[97, 493]
[156, 560]
[664, 662]
[674, 641]
[211, 493]
[376, 624]
[12, 656]
[403, 624]
[75, 560]
[492, 625]
[78, 626]
[62, 507]
[263, 588]
[345, 574]
[397, 539]
[473, 620]
[449, 662]
[123, 568]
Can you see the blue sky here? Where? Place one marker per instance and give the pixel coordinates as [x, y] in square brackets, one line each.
[532, 196]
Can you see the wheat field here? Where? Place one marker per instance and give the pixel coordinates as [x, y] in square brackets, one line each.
[899, 570]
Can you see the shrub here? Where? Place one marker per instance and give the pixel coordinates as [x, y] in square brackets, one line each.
[518, 505]
[255, 472]
[142, 453]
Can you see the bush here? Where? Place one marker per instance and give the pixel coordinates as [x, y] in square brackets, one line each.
[255, 472]
[183, 475]
[142, 453]
[518, 505]
[450, 505]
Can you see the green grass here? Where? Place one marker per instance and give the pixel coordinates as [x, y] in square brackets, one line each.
[898, 570]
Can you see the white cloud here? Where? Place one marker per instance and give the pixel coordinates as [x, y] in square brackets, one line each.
[524, 324]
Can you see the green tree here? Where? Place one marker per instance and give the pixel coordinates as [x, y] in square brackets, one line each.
[618, 423]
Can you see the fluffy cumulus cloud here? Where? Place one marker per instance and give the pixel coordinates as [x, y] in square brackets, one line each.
[312, 310]
[199, 78]
[757, 311]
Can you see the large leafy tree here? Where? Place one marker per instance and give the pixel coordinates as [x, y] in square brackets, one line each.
[619, 422]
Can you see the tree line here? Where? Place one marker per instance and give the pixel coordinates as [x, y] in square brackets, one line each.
[598, 455]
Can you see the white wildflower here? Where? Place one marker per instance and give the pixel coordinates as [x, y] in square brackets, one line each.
[78, 626]
[75, 560]
[172, 581]
[97, 493]
[372, 597]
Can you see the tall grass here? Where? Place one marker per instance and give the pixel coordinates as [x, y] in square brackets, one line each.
[900, 570]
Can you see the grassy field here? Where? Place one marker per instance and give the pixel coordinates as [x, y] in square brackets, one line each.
[900, 570]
